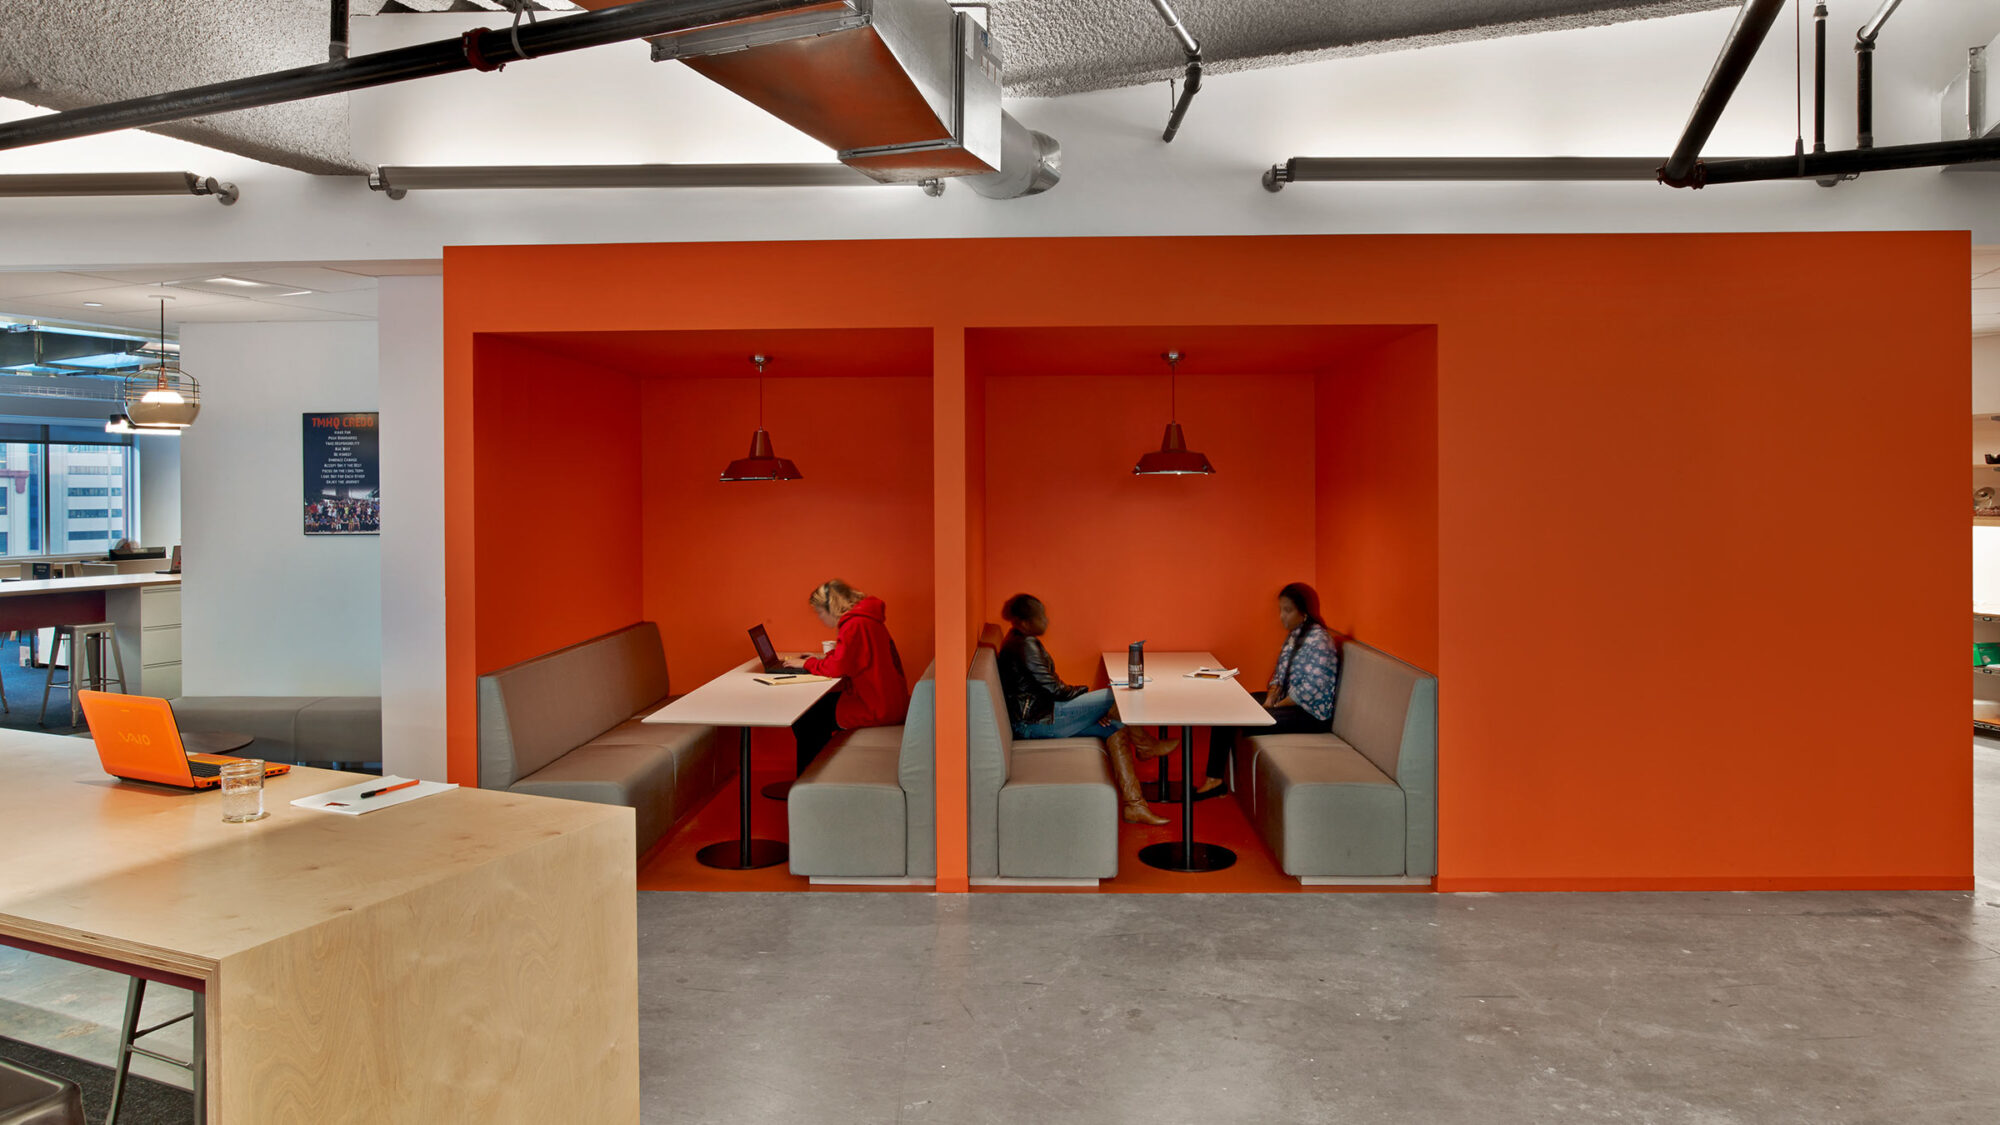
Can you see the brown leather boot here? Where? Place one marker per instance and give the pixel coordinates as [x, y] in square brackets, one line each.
[1119, 749]
[1145, 747]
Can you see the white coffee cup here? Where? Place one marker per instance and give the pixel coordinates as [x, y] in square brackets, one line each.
[826, 647]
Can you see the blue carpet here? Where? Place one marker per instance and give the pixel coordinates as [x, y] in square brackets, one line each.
[24, 694]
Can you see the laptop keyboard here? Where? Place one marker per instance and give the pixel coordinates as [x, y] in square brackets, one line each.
[205, 769]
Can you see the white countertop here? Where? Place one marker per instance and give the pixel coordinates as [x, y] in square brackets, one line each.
[736, 699]
[86, 585]
[1170, 699]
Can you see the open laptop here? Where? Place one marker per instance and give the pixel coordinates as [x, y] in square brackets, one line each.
[768, 654]
[175, 566]
[138, 740]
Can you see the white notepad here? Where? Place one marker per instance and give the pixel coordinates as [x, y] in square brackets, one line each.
[1205, 673]
[348, 800]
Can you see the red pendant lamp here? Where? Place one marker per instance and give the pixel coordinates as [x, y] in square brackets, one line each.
[1173, 458]
[763, 462]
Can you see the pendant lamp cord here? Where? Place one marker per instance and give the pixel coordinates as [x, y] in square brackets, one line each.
[759, 361]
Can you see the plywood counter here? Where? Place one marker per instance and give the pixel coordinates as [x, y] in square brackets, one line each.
[467, 957]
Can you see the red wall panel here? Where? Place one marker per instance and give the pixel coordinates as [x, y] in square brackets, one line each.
[721, 557]
[1376, 497]
[557, 501]
[1179, 562]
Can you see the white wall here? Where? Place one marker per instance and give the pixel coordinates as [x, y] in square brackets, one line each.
[1624, 89]
[1986, 374]
[159, 491]
[413, 648]
[265, 609]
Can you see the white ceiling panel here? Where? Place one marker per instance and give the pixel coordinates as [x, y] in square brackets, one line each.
[242, 312]
[354, 302]
[315, 278]
[425, 267]
[30, 285]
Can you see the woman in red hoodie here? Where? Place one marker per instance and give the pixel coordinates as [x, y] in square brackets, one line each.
[874, 693]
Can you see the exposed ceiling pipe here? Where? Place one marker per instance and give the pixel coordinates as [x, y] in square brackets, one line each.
[480, 49]
[117, 183]
[1846, 165]
[1191, 78]
[1753, 23]
[1864, 74]
[1306, 169]
[336, 37]
[397, 179]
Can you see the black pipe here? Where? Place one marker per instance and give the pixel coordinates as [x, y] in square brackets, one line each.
[1819, 78]
[336, 39]
[1753, 23]
[1191, 47]
[1932, 154]
[1188, 89]
[1864, 93]
[481, 49]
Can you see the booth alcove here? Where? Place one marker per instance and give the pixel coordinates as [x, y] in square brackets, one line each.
[1324, 443]
[599, 456]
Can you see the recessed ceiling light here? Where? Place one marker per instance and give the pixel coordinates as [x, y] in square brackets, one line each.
[93, 304]
[234, 281]
[297, 293]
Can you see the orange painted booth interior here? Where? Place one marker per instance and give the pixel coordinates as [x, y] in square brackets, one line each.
[1626, 519]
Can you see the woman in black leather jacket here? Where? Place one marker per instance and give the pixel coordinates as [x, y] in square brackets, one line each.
[1041, 705]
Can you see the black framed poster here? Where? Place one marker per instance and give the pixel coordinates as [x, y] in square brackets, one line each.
[343, 478]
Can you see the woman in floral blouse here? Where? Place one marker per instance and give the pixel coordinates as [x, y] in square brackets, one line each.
[1302, 688]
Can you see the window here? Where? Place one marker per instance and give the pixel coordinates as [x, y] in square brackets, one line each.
[64, 489]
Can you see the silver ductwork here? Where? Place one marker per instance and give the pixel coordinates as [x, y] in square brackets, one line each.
[902, 90]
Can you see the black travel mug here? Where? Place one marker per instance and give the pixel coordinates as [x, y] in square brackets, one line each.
[1135, 665]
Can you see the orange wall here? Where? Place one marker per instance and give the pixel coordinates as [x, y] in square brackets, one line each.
[1377, 498]
[1671, 468]
[722, 557]
[1179, 562]
[557, 464]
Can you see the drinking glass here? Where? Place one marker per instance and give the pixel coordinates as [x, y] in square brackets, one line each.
[243, 791]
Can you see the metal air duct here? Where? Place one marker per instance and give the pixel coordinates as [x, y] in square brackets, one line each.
[903, 90]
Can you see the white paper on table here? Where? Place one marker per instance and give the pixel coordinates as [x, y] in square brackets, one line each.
[1214, 673]
[349, 802]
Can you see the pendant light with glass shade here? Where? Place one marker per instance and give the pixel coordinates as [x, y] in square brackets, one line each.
[164, 399]
[1173, 458]
[763, 463]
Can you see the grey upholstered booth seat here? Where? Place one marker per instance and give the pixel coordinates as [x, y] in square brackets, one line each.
[292, 728]
[1360, 802]
[867, 806]
[1044, 809]
[566, 725]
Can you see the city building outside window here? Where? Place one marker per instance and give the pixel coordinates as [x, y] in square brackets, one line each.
[65, 491]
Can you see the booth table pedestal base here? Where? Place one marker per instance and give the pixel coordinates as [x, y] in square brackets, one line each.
[744, 852]
[1185, 855]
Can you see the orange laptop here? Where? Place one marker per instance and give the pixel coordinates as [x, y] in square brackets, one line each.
[138, 740]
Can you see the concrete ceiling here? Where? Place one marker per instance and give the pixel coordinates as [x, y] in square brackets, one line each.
[1055, 47]
[65, 54]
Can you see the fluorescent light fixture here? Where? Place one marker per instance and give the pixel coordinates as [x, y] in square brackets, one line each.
[298, 293]
[93, 304]
[237, 281]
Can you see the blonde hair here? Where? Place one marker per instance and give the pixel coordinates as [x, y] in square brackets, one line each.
[823, 598]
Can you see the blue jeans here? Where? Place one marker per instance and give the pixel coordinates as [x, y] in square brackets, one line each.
[1074, 718]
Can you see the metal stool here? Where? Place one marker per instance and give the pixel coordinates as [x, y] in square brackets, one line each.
[135, 997]
[86, 664]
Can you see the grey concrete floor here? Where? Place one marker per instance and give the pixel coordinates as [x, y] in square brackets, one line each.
[1697, 1008]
